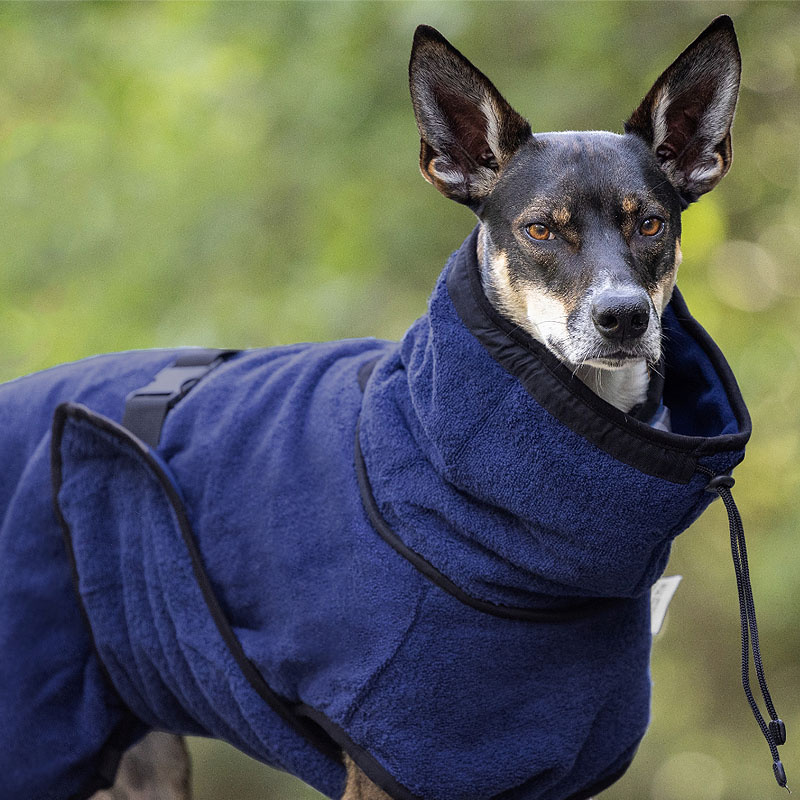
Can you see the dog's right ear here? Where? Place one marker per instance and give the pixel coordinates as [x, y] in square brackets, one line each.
[468, 131]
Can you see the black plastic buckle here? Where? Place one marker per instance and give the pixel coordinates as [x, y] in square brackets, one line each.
[147, 408]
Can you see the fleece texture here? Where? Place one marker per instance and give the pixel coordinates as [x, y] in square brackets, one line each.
[434, 554]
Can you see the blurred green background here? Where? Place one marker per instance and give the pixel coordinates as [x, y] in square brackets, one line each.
[246, 174]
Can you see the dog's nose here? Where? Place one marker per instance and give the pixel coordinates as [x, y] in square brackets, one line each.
[621, 315]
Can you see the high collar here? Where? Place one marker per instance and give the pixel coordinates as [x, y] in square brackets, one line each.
[560, 491]
[708, 412]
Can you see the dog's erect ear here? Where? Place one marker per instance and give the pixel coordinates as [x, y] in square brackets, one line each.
[686, 117]
[468, 131]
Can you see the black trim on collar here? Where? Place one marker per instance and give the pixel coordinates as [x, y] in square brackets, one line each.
[670, 456]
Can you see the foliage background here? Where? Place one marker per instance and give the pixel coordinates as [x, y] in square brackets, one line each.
[245, 174]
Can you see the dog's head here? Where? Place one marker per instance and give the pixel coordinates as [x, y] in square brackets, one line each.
[580, 235]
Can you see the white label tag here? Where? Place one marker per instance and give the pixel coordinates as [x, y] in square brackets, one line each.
[660, 597]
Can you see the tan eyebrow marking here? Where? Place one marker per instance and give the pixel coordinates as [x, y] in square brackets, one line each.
[534, 211]
[629, 204]
[543, 208]
[561, 216]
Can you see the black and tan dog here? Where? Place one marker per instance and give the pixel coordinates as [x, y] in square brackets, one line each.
[580, 232]
[579, 236]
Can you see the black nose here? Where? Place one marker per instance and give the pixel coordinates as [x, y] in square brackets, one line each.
[621, 315]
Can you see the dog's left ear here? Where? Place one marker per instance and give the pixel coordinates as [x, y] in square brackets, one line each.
[686, 117]
[468, 132]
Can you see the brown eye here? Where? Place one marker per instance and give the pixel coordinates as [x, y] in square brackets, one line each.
[652, 226]
[539, 232]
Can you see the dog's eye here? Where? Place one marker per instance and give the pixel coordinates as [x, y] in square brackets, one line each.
[539, 232]
[652, 226]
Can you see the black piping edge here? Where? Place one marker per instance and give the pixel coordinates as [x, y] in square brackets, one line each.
[279, 705]
[129, 729]
[366, 762]
[383, 779]
[600, 785]
[579, 610]
[661, 454]
[310, 723]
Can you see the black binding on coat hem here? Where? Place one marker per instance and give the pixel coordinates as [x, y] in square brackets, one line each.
[282, 707]
[129, 729]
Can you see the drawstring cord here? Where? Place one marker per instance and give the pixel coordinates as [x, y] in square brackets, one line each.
[775, 731]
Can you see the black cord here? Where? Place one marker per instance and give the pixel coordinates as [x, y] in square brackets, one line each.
[775, 732]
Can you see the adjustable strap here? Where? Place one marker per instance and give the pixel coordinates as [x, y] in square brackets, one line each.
[146, 408]
[775, 732]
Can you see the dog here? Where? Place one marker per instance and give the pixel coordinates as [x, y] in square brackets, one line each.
[579, 233]
[563, 295]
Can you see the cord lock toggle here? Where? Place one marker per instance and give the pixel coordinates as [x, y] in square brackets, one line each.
[726, 481]
[778, 731]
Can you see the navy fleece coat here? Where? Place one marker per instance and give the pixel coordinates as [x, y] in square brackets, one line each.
[433, 554]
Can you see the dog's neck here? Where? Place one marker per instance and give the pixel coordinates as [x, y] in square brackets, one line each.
[623, 388]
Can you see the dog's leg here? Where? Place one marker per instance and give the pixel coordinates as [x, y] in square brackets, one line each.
[155, 768]
[359, 786]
